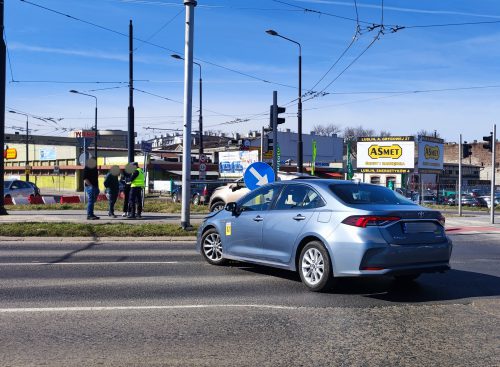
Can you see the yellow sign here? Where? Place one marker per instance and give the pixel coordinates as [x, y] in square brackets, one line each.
[432, 152]
[228, 228]
[393, 151]
[11, 153]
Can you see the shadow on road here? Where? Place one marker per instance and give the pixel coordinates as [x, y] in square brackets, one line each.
[452, 285]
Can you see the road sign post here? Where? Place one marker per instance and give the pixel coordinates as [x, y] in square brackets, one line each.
[258, 174]
[493, 171]
[275, 132]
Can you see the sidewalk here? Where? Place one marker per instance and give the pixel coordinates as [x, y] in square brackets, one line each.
[80, 216]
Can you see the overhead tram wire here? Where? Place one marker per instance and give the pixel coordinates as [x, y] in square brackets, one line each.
[161, 28]
[154, 44]
[380, 32]
[8, 56]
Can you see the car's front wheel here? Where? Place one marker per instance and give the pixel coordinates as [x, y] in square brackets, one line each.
[211, 247]
[315, 267]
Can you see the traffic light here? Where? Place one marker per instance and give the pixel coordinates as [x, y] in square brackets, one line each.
[466, 150]
[489, 142]
[280, 120]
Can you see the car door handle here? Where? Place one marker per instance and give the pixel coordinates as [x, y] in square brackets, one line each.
[258, 218]
[299, 217]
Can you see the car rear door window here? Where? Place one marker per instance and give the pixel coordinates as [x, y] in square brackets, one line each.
[298, 196]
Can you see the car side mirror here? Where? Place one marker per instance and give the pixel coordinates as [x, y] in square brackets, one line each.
[232, 207]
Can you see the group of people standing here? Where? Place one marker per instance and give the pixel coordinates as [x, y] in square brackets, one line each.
[132, 180]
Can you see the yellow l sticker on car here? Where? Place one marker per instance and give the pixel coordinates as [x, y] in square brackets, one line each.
[228, 228]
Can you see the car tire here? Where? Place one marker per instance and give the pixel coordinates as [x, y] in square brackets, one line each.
[407, 278]
[217, 206]
[315, 267]
[196, 200]
[211, 247]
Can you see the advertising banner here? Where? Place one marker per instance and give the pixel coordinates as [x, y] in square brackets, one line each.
[391, 154]
[47, 154]
[430, 154]
[233, 164]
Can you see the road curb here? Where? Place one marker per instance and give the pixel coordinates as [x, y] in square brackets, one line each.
[100, 239]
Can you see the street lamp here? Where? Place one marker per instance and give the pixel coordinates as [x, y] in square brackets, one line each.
[300, 162]
[200, 116]
[95, 122]
[26, 168]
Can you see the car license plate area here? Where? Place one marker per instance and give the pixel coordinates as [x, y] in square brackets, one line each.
[419, 227]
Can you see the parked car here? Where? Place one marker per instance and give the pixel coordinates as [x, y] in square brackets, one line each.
[235, 190]
[200, 193]
[328, 229]
[18, 188]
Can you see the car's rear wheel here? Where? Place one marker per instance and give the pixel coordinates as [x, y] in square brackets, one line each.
[217, 206]
[315, 267]
[407, 278]
[211, 247]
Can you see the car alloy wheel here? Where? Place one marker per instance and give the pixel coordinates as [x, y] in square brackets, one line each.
[314, 267]
[218, 206]
[212, 247]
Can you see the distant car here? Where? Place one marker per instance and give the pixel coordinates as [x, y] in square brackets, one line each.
[237, 189]
[18, 188]
[200, 193]
[328, 229]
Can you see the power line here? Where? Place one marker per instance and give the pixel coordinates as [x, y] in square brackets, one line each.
[155, 45]
[8, 56]
[162, 27]
[66, 81]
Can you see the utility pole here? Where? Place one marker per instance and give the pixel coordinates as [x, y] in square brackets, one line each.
[3, 65]
[200, 117]
[459, 196]
[275, 133]
[188, 114]
[262, 144]
[131, 132]
[493, 152]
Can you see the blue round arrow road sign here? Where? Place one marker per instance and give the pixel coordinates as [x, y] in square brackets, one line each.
[258, 174]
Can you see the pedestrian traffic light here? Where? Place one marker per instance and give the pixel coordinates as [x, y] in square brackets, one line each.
[466, 150]
[280, 120]
[489, 142]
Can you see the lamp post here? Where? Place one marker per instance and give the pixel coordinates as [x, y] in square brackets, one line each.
[200, 116]
[95, 121]
[300, 162]
[26, 164]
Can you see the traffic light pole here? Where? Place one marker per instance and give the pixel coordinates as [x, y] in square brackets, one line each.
[131, 112]
[275, 133]
[493, 152]
[459, 196]
[3, 64]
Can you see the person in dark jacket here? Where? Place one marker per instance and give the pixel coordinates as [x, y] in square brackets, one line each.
[91, 183]
[125, 180]
[112, 189]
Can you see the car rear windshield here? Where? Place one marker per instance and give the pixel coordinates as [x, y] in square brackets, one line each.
[368, 194]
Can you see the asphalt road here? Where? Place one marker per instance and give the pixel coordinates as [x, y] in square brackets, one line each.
[134, 304]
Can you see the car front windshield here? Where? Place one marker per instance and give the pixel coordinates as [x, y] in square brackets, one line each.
[368, 194]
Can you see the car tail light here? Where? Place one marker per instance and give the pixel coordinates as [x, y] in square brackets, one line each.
[372, 268]
[364, 221]
[442, 219]
[205, 191]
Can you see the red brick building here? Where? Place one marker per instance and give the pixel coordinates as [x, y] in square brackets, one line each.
[480, 157]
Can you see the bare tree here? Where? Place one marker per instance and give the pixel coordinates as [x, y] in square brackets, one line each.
[423, 132]
[326, 130]
[351, 135]
[384, 133]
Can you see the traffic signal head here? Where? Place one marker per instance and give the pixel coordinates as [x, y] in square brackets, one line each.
[466, 150]
[280, 120]
[489, 142]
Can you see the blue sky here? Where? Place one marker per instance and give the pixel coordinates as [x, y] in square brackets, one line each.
[44, 46]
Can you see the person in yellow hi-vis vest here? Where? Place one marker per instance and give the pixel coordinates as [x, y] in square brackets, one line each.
[136, 185]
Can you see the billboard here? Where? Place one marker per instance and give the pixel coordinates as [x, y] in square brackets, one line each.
[391, 154]
[47, 154]
[430, 154]
[234, 164]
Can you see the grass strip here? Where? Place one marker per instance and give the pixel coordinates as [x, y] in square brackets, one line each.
[92, 230]
[151, 206]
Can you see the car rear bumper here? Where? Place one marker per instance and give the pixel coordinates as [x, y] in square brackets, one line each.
[399, 259]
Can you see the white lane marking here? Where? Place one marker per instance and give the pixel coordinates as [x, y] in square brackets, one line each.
[94, 263]
[132, 308]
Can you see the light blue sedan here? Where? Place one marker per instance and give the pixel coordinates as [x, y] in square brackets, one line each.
[327, 229]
